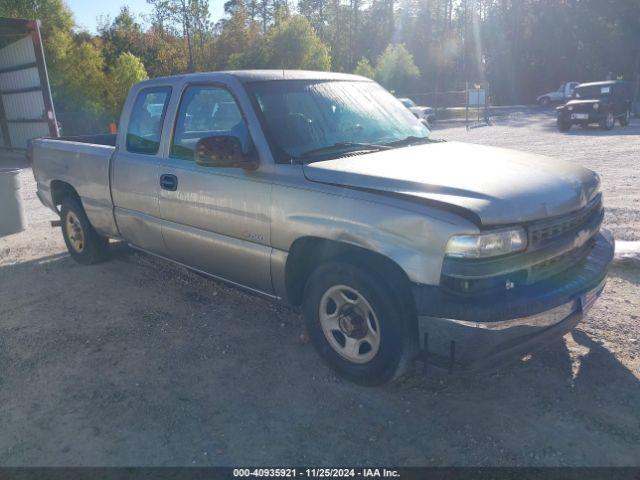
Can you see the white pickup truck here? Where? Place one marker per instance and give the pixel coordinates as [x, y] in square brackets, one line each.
[562, 94]
[323, 191]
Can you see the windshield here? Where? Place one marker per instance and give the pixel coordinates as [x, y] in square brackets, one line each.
[329, 117]
[592, 92]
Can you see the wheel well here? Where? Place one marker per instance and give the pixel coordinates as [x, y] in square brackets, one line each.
[61, 190]
[307, 253]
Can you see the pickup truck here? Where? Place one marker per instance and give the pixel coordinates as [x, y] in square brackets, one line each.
[426, 114]
[563, 93]
[323, 191]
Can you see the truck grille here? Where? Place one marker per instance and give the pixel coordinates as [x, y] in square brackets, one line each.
[559, 263]
[548, 230]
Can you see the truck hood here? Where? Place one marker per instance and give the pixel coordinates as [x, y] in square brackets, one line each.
[498, 186]
[583, 102]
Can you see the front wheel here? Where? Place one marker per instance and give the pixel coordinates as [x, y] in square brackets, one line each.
[608, 122]
[83, 242]
[357, 324]
[563, 125]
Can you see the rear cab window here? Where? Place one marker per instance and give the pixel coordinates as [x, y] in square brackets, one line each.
[147, 116]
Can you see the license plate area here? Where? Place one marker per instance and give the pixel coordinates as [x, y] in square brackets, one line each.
[580, 116]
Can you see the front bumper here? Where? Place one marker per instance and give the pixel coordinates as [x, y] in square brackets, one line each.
[474, 334]
[592, 116]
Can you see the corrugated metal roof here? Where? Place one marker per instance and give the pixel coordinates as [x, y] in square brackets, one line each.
[24, 92]
[18, 53]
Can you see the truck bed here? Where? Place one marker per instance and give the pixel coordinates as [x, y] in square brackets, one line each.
[96, 139]
[82, 163]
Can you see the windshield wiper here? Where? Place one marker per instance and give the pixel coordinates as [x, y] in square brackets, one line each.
[342, 146]
[411, 140]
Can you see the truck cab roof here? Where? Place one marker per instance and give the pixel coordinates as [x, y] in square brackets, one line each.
[603, 84]
[249, 76]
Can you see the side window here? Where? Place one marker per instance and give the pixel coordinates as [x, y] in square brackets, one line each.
[145, 124]
[205, 112]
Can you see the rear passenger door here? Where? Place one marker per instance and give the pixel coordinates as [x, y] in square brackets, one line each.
[215, 219]
[134, 175]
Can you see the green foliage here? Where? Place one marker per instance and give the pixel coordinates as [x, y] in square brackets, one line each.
[237, 38]
[124, 34]
[188, 20]
[289, 44]
[127, 71]
[395, 69]
[521, 48]
[365, 69]
[54, 14]
[292, 43]
[82, 80]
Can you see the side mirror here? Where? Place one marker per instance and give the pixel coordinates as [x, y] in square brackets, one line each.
[223, 151]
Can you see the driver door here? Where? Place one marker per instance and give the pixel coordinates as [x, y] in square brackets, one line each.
[215, 219]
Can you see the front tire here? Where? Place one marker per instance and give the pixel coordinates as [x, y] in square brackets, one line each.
[563, 125]
[356, 324]
[608, 122]
[83, 242]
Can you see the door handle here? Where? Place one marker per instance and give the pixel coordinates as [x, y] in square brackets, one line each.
[168, 182]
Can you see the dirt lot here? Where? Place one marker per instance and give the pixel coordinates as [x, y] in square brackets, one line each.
[137, 362]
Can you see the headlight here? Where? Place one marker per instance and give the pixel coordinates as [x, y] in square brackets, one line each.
[596, 106]
[570, 109]
[491, 244]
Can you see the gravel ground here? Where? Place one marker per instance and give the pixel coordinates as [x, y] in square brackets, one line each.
[138, 362]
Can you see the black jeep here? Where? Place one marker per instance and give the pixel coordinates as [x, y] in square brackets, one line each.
[599, 102]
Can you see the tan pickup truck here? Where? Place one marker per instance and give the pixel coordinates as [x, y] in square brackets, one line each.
[323, 191]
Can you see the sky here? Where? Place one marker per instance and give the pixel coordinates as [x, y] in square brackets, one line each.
[86, 12]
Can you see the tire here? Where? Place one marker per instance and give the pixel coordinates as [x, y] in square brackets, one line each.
[563, 125]
[367, 351]
[626, 118]
[545, 102]
[608, 121]
[83, 242]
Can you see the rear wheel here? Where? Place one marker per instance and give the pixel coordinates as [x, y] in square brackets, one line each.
[357, 324]
[608, 121]
[626, 118]
[83, 242]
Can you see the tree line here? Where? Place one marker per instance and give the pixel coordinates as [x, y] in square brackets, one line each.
[520, 47]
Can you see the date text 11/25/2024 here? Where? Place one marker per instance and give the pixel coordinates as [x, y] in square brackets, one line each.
[316, 472]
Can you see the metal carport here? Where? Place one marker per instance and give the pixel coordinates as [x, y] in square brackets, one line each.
[26, 107]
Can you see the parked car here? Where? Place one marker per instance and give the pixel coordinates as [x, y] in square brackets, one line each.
[322, 191]
[599, 102]
[562, 94]
[427, 114]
